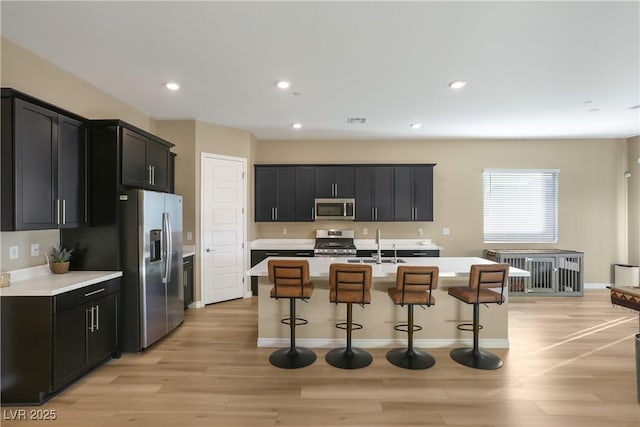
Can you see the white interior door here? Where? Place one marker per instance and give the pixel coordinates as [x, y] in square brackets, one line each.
[223, 228]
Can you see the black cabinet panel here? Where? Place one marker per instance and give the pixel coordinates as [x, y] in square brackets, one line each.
[335, 181]
[103, 340]
[70, 344]
[274, 194]
[36, 145]
[134, 159]
[187, 271]
[158, 160]
[305, 193]
[72, 172]
[374, 193]
[413, 193]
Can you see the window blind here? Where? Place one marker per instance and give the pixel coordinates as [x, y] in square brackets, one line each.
[520, 206]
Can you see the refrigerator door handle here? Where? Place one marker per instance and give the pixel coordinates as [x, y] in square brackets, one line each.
[168, 247]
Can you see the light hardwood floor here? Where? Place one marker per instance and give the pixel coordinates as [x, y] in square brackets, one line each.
[571, 363]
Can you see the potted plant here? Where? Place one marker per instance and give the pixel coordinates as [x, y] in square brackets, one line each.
[59, 261]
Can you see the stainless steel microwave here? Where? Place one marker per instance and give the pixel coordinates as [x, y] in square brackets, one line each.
[344, 209]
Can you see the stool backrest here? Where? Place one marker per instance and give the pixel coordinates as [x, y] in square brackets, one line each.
[416, 279]
[350, 278]
[484, 276]
[288, 272]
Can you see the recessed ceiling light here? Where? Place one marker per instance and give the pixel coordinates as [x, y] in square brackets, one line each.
[296, 125]
[172, 86]
[457, 84]
[416, 125]
[283, 84]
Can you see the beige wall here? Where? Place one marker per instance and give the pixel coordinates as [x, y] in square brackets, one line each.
[192, 138]
[28, 73]
[633, 167]
[592, 190]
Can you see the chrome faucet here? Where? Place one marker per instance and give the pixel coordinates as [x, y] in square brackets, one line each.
[379, 255]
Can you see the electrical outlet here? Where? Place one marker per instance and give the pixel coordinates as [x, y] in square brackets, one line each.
[446, 231]
[35, 249]
[420, 231]
[189, 236]
[365, 231]
[13, 252]
[284, 231]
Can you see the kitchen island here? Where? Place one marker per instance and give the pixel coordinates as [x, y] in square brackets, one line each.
[378, 318]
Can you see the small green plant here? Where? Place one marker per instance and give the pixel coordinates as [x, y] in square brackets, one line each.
[60, 254]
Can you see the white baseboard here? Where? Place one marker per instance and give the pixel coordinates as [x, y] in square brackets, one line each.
[374, 343]
[196, 304]
[596, 285]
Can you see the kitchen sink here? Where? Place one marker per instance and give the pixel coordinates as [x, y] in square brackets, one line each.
[373, 261]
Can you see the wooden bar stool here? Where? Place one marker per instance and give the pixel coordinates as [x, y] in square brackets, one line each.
[413, 286]
[481, 278]
[349, 284]
[290, 280]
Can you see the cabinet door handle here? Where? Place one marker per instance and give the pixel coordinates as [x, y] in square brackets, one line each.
[89, 312]
[57, 211]
[376, 209]
[64, 211]
[94, 292]
[97, 317]
[313, 213]
[149, 178]
[153, 175]
[184, 279]
[276, 217]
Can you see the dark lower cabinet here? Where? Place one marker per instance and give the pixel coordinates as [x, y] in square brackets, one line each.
[187, 280]
[404, 253]
[257, 256]
[48, 342]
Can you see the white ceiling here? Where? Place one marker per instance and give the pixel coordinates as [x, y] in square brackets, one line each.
[534, 69]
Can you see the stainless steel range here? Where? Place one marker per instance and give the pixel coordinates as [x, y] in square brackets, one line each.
[334, 243]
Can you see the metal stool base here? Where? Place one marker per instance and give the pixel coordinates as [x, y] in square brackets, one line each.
[348, 359]
[478, 359]
[410, 359]
[292, 358]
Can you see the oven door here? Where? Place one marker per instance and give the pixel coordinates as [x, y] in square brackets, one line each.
[343, 209]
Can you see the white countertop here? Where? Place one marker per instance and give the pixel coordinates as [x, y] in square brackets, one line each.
[449, 266]
[188, 251]
[365, 244]
[38, 281]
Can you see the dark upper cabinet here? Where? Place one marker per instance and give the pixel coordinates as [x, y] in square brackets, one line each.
[145, 161]
[413, 193]
[72, 172]
[274, 194]
[43, 165]
[374, 193]
[305, 193]
[335, 181]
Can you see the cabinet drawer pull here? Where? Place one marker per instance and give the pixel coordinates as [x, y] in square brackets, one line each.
[420, 254]
[303, 254]
[94, 292]
[272, 253]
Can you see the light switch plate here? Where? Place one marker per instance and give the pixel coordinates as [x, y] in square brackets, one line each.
[35, 249]
[189, 236]
[446, 231]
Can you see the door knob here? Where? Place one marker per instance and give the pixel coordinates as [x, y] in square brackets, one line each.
[209, 250]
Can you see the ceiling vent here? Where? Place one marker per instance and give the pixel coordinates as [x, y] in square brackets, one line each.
[357, 120]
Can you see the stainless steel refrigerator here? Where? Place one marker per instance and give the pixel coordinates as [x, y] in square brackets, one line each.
[153, 299]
